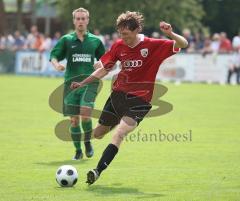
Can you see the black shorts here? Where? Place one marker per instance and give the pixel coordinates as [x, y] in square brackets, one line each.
[120, 104]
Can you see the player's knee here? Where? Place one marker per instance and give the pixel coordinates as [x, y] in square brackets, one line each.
[120, 133]
[128, 121]
[119, 136]
[126, 126]
[122, 130]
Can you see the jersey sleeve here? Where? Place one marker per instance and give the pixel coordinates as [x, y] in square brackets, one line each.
[110, 58]
[167, 47]
[59, 50]
[100, 50]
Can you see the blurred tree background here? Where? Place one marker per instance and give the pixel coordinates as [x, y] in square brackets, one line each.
[103, 15]
[197, 15]
[222, 15]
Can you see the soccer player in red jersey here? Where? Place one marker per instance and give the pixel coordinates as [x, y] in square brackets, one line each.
[129, 101]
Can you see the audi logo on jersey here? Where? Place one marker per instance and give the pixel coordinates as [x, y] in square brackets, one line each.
[132, 63]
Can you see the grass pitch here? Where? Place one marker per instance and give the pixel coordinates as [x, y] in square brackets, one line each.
[202, 166]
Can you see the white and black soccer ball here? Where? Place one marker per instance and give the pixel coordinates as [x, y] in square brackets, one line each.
[66, 176]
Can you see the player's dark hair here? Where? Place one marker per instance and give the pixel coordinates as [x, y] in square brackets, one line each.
[130, 20]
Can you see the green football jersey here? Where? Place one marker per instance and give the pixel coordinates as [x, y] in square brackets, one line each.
[79, 54]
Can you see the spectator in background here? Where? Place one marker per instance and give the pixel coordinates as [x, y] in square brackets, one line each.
[207, 49]
[225, 43]
[19, 41]
[236, 42]
[191, 48]
[46, 43]
[234, 67]
[2, 47]
[198, 41]
[98, 34]
[32, 37]
[155, 34]
[188, 36]
[195, 44]
[38, 42]
[55, 39]
[235, 62]
[115, 37]
[108, 42]
[215, 44]
[7, 42]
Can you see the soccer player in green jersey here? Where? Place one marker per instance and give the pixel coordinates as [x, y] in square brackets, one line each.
[80, 48]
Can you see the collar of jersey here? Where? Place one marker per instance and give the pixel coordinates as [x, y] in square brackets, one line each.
[141, 37]
[75, 35]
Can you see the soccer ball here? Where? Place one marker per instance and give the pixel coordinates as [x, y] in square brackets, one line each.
[66, 176]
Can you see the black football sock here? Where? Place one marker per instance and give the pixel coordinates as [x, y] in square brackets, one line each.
[107, 157]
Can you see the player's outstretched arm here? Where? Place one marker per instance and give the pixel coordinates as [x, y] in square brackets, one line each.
[166, 28]
[98, 74]
[57, 65]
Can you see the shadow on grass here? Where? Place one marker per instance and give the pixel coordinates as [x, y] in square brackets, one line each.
[64, 162]
[103, 190]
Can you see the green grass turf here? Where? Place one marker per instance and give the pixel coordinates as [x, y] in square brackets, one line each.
[204, 169]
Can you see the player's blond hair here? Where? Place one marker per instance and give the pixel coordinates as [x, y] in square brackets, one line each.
[80, 10]
[130, 20]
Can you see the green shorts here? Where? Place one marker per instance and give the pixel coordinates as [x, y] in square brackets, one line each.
[73, 100]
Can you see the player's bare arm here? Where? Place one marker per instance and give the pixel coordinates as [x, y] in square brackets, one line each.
[96, 75]
[57, 65]
[166, 28]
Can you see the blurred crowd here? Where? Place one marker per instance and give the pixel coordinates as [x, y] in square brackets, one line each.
[34, 40]
[216, 43]
[198, 43]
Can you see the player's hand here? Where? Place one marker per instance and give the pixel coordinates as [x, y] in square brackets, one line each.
[75, 85]
[165, 28]
[60, 67]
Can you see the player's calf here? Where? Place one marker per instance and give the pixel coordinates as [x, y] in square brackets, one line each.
[126, 125]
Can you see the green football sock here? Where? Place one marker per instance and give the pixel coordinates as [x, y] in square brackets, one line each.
[87, 128]
[76, 137]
